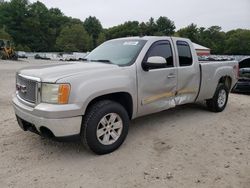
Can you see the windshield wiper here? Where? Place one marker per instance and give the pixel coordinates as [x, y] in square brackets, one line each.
[101, 60]
[84, 59]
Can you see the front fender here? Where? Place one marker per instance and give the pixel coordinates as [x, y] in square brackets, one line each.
[85, 88]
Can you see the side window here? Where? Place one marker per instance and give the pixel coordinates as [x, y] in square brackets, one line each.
[185, 56]
[164, 50]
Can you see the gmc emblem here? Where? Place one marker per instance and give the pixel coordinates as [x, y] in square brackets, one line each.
[21, 88]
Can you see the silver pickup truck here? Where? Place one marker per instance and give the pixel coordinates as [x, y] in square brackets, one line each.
[120, 80]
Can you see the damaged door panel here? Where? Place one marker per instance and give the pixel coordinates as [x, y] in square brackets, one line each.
[157, 85]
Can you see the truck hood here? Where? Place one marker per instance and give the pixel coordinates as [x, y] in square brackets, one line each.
[54, 72]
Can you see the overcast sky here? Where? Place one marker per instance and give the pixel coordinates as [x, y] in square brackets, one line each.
[229, 14]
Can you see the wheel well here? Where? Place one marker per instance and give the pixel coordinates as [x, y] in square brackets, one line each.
[122, 98]
[227, 80]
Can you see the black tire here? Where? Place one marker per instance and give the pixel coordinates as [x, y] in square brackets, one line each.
[91, 121]
[213, 104]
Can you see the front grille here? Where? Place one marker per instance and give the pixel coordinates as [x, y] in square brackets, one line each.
[26, 89]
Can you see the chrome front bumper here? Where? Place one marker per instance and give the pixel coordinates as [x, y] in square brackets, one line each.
[59, 126]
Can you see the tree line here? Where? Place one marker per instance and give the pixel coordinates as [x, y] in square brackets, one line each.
[34, 27]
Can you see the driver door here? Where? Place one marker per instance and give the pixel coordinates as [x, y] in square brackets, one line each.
[157, 86]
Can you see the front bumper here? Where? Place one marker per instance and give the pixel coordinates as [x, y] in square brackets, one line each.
[60, 126]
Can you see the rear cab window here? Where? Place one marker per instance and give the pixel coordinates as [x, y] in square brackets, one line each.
[184, 53]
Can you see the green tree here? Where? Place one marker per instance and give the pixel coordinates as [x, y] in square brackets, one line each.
[213, 38]
[33, 25]
[19, 47]
[101, 38]
[38, 32]
[12, 16]
[93, 27]
[57, 20]
[165, 26]
[143, 29]
[4, 34]
[130, 28]
[190, 32]
[238, 42]
[149, 28]
[73, 39]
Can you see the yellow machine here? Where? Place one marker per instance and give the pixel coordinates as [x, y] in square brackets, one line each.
[7, 50]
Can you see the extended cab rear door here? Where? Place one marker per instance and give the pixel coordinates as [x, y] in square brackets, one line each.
[188, 72]
[157, 87]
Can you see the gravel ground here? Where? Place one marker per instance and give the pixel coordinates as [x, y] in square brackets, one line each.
[183, 147]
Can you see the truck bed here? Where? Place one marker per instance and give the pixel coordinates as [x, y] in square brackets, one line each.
[211, 72]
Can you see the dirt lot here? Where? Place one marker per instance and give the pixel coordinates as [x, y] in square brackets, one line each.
[183, 147]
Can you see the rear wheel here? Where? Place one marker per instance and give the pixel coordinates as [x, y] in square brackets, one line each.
[105, 127]
[219, 100]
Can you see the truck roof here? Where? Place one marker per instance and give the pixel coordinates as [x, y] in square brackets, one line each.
[150, 38]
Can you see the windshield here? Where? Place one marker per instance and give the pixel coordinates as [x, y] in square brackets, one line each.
[119, 52]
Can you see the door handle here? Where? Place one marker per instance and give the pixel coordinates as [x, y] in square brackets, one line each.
[171, 76]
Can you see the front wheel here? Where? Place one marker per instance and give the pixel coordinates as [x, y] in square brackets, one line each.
[105, 127]
[219, 100]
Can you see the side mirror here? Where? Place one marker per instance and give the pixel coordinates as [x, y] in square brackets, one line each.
[155, 62]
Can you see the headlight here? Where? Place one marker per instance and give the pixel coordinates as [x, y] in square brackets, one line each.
[55, 93]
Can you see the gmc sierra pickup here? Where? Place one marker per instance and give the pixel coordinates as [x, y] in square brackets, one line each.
[120, 80]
